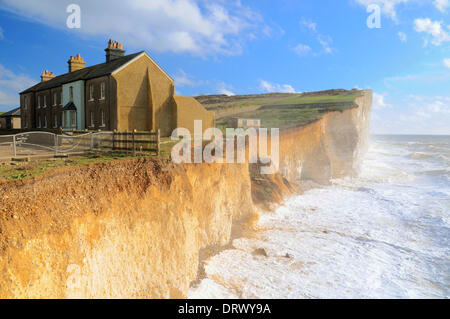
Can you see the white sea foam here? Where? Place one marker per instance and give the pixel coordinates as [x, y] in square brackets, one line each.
[384, 234]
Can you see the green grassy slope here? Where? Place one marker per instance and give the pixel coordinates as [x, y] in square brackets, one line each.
[281, 110]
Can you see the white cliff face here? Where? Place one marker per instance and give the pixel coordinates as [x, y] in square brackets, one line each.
[329, 148]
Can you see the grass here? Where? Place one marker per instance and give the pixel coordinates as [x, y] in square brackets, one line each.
[13, 171]
[23, 170]
[292, 114]
[285, 111]
[299, 100]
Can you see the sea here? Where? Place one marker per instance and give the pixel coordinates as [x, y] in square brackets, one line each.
[383, 234]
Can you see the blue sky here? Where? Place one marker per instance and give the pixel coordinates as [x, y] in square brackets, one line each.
[255, 46]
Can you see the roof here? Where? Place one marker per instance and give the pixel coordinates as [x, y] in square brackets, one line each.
[70, 107]
[91, 72]
[15, 112]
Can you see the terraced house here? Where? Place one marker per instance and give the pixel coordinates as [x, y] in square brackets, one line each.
[126, 92]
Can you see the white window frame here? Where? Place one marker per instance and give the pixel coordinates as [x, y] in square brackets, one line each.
[55, 98]
[102, 118]
[91, 92]
[55, 125]
[73, 119]
[102, 91]
[45, 121]
[39, 101]
[45, 100]
[71, 93]
[91, 120]
[39, 122]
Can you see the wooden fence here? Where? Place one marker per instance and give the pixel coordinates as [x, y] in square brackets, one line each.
[137, 141]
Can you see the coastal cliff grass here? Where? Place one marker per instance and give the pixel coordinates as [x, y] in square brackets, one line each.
[12, 171]
[287, 111]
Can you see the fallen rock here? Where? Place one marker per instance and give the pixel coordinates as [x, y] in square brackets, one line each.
[260, 252]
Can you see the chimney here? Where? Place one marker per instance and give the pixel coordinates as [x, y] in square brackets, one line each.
[46, 75]
[114, 50]
[76, 63]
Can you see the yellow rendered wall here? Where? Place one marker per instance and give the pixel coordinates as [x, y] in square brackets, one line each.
[139, 86]
[188, 110]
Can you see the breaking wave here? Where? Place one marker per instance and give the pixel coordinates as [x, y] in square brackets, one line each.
[385, 234]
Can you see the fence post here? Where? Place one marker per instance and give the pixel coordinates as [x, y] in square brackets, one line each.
[134, 143]
[113, 139]
[158, 141]
[56, 144]
[14, 145]
[125, 140]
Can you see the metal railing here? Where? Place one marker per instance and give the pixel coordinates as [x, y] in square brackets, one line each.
[29, 144]
[47, 144]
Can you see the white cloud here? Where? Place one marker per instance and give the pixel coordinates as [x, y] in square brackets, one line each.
[324, 40]
[378, 101]
[275, 88]
[224, 88]
[447, 63]
[403, 37]
[195, 26]
[183, 79]
[309, 24]
[433, 28]
[441, 5]
[226, 92]
[302, 49]
[413, 115]
[10, 86]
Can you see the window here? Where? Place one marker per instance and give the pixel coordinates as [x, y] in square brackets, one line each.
[71, 93]
[102, 91]
[73, 118]
[25, 122]
[45, 100]
[91, 92]
[45, 121]
[39, 121]
[39, 101]
[102, 116]
[55, 124]
[55, 96]
[92, 119]
[25, 102]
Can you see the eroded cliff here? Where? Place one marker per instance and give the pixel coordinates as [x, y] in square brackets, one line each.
[130, 229]
[328, 148]
[134, 229]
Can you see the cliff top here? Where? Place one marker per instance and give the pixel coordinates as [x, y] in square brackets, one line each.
[282, 110]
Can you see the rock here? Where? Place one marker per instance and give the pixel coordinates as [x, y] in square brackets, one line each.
[260, 252]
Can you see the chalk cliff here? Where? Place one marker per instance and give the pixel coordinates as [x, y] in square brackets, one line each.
[134, 228]
[328, 148]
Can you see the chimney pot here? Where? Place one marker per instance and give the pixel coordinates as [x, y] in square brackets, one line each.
[114, 50]
[76, 63]
[46, 75]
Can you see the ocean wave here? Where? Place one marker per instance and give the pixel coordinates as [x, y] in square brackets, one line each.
[420, 155]
[436, 172]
